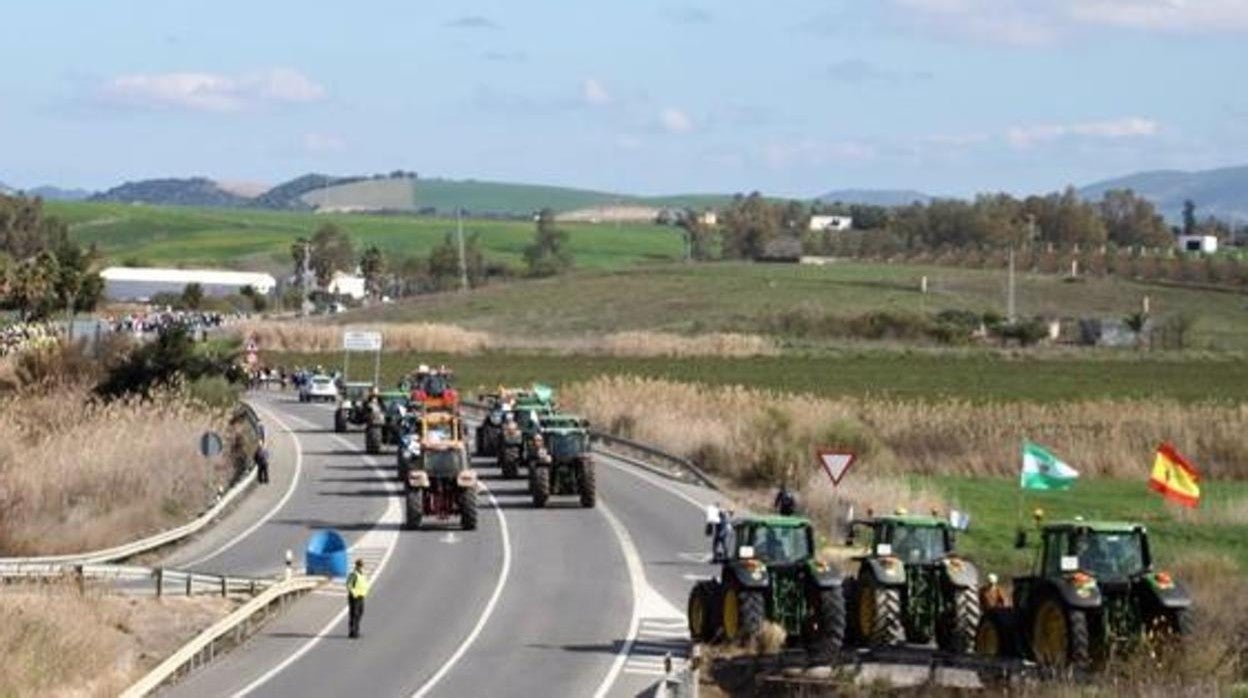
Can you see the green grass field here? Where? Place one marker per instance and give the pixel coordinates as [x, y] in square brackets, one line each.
[250, 239]
[994, 507]
[738, 296]
[882, 374]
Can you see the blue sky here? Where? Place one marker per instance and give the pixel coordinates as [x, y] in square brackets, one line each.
[791, 97]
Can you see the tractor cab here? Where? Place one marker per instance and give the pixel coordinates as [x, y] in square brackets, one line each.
[773, 541]
[914, 540]
[566, 436]
[435, 392]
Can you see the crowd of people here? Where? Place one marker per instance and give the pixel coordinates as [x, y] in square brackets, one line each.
[23, 336]
[154, 321]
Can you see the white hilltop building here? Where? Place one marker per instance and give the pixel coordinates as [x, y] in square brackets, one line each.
[141, 283]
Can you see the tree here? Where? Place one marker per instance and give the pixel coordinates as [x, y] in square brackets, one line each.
[700, 238]
[749, 224]
[373, 267]
[1189, 217]
[32, 286]
[1132, 220]
[549, 253]
[192, 296]
[331, 252]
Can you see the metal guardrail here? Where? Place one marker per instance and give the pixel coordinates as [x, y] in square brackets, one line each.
[161, 581]
[231, 630]
[128, 550]
[682, 465]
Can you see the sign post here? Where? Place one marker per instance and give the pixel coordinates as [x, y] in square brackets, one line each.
[361, 341]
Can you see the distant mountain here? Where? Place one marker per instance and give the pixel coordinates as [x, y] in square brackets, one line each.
[5, 189]
[289, 195]
[197, 191]
[53, 193]
[1221, 192]
[875, 197]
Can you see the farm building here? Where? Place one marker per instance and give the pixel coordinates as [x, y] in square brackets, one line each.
[824, 223]
[141, 283]
[1198, 243]
[343, 284]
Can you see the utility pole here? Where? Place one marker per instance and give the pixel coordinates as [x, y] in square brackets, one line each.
[1009, 294]
[463, 265]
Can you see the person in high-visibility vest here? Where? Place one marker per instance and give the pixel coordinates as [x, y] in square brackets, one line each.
[357, 589]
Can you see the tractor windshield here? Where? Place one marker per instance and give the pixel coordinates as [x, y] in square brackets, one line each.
[1107, 555]
[443, 463]
[564, 446]
[918, 544]
[780, 545]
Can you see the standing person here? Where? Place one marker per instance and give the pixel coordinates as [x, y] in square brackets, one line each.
[712, 517]
[357, 589]
[262, 462]
[719, 546]
[786, 503]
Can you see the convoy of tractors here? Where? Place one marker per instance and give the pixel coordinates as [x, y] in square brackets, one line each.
[1093, 591]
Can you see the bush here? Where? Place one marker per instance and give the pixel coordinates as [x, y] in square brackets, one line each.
[168, 361]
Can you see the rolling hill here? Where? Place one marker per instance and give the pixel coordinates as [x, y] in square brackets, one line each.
[195, 191]
[1222, 192]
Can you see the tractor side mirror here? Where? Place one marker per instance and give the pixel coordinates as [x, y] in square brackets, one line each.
[1020, 539]
[746, 552]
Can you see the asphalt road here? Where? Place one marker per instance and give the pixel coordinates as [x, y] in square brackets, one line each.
[562, 601]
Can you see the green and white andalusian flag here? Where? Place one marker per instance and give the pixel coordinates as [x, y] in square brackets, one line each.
[1043, 471]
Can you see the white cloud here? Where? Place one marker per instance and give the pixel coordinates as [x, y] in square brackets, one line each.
[594, 93]
[814, 153]
[1037, 22]
[213, 91]
[318, 143]
[1132, 127]
[675, 120]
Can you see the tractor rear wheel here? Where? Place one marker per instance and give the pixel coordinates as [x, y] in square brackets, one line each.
[879, 613]
[340, 420]
[956, 633]
[414, 509]
[742, 613]
[589, 485]
[468, 508]
[539, 483]
[997, 635]
[829, 624]
[508, 458]
[703, 604]
[372, 440]
[1059, 635]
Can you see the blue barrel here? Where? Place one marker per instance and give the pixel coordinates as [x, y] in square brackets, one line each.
[326, 554]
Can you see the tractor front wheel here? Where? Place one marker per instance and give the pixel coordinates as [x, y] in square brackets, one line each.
[508, 459]
[703, 603]
[1059, 635]
[589, 486]
[957, 633]
[879, 613]
[415, 508]
[539, 483]
[997, 635]
[340, 420]
[468, 508]
[828, 635]
[742, 614]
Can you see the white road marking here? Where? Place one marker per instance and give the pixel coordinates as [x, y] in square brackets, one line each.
[489, 606]
[633, 471]
[449, 538]
[290, 490]
[373, 540]
[648, 604]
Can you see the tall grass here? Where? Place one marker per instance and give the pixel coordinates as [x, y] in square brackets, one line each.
[76, 474]
[56, 641]
[294, 336]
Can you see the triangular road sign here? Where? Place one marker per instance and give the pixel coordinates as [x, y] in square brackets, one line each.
[836, 463]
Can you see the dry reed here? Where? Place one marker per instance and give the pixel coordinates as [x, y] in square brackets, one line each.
[295, 336]
[77, 475]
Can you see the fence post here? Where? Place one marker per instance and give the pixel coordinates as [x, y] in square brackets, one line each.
[80, 576]
[160, 582]
[224, 587]
[189, 577]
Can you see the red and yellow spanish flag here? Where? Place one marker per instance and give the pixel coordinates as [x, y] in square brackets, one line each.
[1175, 478]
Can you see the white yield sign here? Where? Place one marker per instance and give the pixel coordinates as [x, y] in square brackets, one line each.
[836, 463]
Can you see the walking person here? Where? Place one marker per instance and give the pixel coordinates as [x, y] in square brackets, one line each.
[262, 463]
[785, 503]
[357, 589]
[719, 542]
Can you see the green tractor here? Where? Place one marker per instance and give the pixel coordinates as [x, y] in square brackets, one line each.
[912, 586]
[502, 405]
[771, 573]
[441, 483]
[559, 460]
[353, 406]
[519, 427]
[1093, 593]
[396, 405]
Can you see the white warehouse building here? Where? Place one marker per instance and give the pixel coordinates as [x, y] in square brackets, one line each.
[141, 283]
